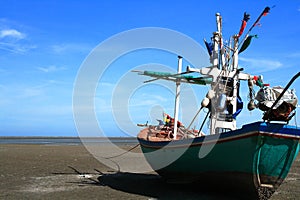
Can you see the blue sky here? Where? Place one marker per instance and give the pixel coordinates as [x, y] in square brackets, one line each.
[44, 43]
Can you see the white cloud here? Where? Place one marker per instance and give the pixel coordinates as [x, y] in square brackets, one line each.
[31, 92]
[71, 47]
[13, 41]
[59, 48]
[12, 33]
[261, 65]
[51, 68]
[15, 47]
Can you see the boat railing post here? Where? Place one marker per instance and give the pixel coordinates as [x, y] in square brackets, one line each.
[176, 110]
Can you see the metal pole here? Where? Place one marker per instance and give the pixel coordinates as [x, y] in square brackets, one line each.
[215, 62]
[235, 78]
[176, 110]
[266, 115]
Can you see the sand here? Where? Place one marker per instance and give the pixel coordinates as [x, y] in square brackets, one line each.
[71, 172]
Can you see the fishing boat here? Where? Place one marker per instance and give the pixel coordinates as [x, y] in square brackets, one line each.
[255, 158]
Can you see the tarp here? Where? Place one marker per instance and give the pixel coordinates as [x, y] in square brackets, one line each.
[172, 77]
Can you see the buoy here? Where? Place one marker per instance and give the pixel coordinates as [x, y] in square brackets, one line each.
[251, 105]
[205, 102]
[210, 94]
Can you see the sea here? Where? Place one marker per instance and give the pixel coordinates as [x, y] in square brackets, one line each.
[67, 140]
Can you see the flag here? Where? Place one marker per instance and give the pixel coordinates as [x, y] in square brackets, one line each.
[209, 47]
[169, 121]
[247, 42]
[244, 23]
[266, 11]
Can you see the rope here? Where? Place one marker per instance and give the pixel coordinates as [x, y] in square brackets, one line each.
[203, 122]
[194, 119]
[123, 152]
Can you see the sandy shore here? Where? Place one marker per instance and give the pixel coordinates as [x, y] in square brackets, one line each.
[71, 172]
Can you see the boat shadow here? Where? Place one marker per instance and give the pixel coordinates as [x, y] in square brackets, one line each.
[154, 186]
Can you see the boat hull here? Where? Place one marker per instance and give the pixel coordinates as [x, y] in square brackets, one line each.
[255, 157]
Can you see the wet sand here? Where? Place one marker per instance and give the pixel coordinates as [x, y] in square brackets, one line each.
[71, 172]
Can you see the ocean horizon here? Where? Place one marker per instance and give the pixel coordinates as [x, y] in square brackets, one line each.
[50, 140]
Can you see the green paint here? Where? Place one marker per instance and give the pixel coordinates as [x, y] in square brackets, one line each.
[263, 155]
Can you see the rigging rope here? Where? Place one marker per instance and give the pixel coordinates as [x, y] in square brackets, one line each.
[203, 123]
[123, 152]
[187, 129]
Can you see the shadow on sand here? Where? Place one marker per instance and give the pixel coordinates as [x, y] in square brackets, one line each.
[153, 186]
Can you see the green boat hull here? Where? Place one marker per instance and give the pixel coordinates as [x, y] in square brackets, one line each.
[255, 157]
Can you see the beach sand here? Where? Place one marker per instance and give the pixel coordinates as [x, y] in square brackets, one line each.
[71, 172]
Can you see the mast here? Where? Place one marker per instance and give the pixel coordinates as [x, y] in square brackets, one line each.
[224, 91]
[217, 41]
[176, 110]
[236, 76]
